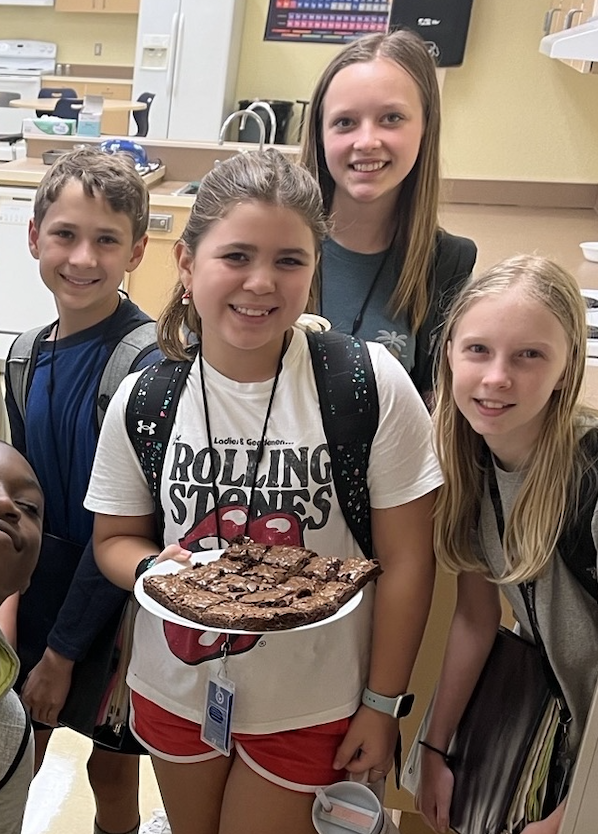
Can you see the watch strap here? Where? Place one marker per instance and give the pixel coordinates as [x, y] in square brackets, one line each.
[145, 564]
[398, 706]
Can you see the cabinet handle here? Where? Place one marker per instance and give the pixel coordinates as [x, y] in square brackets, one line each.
[548, 19]
[160, 223]
[570, 16]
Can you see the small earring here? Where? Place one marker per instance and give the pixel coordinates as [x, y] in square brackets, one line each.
[186, 298]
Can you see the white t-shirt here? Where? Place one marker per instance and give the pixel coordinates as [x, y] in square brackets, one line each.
[292, 679]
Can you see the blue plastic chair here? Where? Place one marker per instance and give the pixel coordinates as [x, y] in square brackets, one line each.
[54, 92]
[66, 109]
[142, 116]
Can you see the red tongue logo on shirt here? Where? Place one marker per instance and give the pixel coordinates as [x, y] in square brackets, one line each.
[276, 528]
[193, 646]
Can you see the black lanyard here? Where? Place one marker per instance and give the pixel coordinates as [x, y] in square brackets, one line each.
[528, 592]
[260, 449]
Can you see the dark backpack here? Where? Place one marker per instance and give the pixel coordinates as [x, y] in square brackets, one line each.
[348, 401]
[576, 543]
[127, 347]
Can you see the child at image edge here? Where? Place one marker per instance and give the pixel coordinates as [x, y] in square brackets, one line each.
[21, 514]
[511, 367]
[88, 229]
[246, 261]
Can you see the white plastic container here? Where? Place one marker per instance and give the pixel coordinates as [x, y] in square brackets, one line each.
[347, 796]
[90, 116]
[590, 250]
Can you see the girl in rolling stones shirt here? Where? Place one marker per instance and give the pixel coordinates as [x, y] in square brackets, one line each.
[248, 455]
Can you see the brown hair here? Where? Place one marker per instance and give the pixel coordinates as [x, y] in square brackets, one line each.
[417, 209]
[265, 176]
[112, 176]
[556, 464]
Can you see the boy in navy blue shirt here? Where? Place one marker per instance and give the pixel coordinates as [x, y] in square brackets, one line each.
[88, 230]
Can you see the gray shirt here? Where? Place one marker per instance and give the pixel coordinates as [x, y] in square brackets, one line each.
[567, 615]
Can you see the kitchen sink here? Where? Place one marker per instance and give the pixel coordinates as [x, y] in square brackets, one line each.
[188, 188]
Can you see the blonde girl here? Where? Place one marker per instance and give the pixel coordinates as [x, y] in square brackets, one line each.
[511, 366]
[246, 261]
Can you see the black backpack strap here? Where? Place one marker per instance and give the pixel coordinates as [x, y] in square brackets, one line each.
[150, 414]
[349, 404]
[576, 543]
[20, 363]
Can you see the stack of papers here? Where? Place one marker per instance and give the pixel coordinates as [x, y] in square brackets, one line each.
[591, 299]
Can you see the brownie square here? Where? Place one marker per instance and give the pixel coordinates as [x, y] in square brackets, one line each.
[358, 571]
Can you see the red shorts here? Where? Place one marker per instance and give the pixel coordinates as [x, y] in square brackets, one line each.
[300, 760]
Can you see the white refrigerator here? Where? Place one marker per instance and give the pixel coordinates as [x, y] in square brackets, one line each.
[188, 55]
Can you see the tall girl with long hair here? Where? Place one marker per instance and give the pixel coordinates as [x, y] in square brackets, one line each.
[372, 142]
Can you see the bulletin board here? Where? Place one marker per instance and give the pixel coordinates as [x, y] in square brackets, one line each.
[325, 21]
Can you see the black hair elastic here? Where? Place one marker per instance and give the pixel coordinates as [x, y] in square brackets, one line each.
[446, 756]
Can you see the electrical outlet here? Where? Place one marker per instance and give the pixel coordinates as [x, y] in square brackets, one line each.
[97, 49]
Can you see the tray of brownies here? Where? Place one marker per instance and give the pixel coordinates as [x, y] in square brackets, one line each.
[251, 587]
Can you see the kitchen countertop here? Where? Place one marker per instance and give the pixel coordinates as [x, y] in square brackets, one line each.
[184, 160]
[161, 194]
[22, 172]
[65, 80]
[29, 172]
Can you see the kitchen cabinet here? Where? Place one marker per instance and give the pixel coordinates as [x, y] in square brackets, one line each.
[114, 124]
[150, 285]
[98, 6]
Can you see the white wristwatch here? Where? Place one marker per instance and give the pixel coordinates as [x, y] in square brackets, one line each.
[398, 707]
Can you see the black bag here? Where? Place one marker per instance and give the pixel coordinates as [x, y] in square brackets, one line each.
[504, 741]
[509, 724]
[92, 707]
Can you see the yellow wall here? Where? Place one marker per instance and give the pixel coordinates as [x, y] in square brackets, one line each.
[509, 112]
[272, 70]
[512, 113]
[75, 34]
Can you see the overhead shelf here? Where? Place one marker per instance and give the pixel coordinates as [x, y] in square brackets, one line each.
[576, 43]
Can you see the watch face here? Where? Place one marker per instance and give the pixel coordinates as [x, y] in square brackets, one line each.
[405, 705]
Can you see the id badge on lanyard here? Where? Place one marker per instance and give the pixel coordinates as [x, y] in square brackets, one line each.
[216, 727]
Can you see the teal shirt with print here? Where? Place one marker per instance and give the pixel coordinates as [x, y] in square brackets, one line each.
[347, 278]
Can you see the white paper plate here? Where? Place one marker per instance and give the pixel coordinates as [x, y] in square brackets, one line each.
[170, 566]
